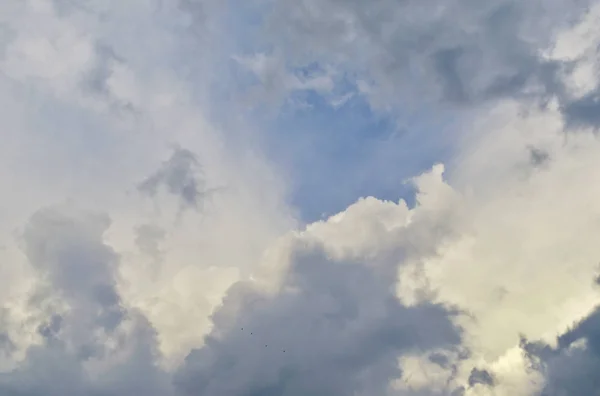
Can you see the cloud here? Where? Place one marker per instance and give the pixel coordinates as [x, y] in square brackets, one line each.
[512, 254]
[472, 50]
[148, 239]
[462, 293]
[69, 253]
[332, 326]
[480, 377]
[460, 54]
[89, 111]
[180, 175]
[278, 83]
[584, 111]
[325, 314]
[90, 342]
[570, 367]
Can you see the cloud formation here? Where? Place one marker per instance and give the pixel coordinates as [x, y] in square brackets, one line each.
[332, 326]
[486, 285]
[463, 53]
[179, 175]
[88, 341]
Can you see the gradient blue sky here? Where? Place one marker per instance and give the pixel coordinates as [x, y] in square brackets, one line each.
[333, 156]
[329, 153]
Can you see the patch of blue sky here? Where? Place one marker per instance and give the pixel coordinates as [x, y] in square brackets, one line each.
[230, 83]
[332, 156]
[330, 146]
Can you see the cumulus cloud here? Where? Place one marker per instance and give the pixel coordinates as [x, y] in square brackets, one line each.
[88, 341]
[571, 365]
[89, 109]
[462, 53]
[486, 285]
[332, 326]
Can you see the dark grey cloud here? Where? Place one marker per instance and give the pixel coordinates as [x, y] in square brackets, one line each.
[572, 368]
[480, 377]
[463, 52]
[52, 369]
[67, 249]
[584, 111]
[538, 157]
[335, 328]
[181, 175]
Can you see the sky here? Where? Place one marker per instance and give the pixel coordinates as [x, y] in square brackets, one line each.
[299, 197]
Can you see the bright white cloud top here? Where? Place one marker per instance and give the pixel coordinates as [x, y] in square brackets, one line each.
[149, 244]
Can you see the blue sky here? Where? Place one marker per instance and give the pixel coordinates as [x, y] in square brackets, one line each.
[333, 156]
[329, 154]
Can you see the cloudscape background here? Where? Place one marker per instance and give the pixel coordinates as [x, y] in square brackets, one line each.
[299, 197]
